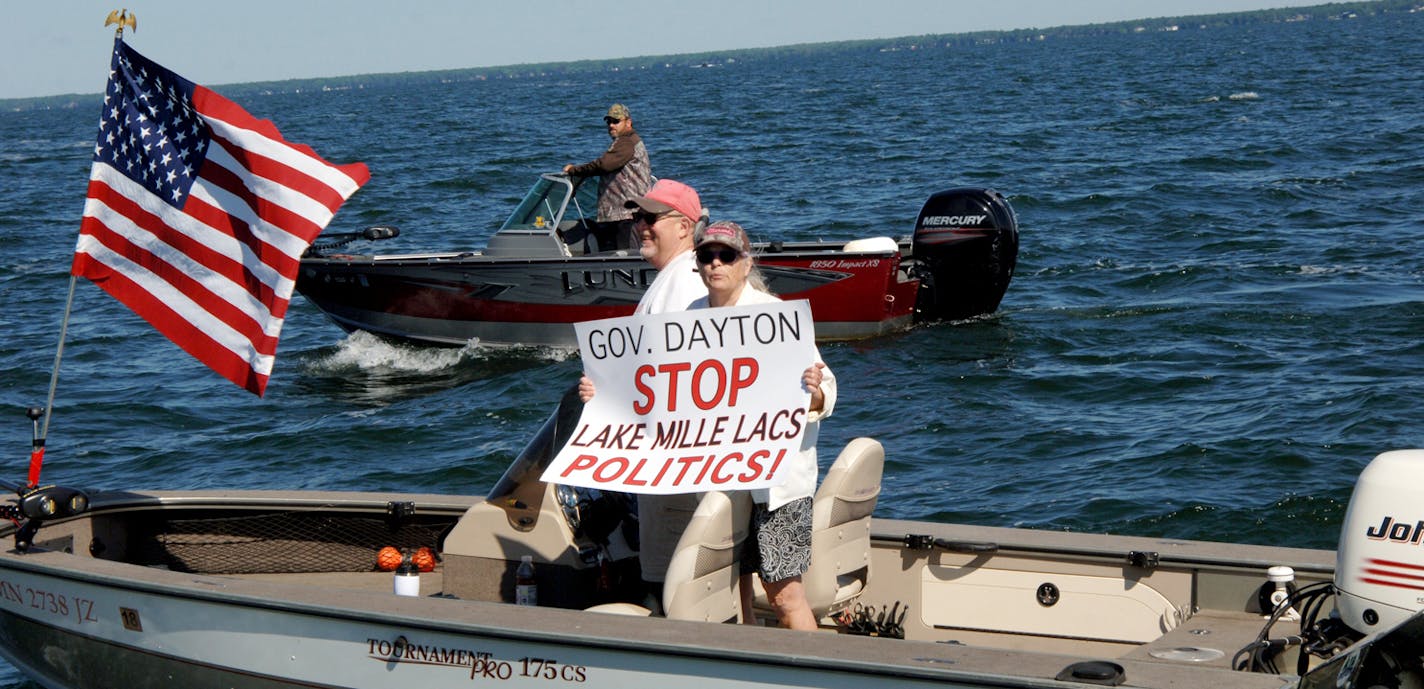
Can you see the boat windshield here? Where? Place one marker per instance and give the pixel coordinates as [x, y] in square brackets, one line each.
[585, 206]
[555, 201]
[529, 466]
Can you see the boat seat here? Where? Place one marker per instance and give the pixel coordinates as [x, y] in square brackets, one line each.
[702, 576]
[840, 530]
[869, 245]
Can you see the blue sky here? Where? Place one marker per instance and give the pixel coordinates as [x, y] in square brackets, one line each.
[61, 46]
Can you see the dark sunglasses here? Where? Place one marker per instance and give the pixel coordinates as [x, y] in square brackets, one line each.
[646, 217]
[726, 256]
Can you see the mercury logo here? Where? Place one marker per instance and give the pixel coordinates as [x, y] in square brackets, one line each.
[947, 220]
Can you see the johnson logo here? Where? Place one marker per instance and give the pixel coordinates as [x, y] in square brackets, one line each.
[952, 220]
[1397, 531]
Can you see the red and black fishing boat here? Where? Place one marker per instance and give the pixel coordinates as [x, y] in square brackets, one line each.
[527, 285]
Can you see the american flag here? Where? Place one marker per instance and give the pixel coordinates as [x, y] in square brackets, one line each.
[198, 213]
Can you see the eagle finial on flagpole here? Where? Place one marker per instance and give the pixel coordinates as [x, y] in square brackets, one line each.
[122, 18]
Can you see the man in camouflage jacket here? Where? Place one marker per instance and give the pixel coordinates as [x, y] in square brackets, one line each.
[624, 173]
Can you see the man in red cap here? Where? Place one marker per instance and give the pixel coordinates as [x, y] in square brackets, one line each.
[667, 218]
[624, 172]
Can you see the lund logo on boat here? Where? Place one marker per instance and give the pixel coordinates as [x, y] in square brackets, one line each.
[952, 220]
[606, 279]
[1397, 531]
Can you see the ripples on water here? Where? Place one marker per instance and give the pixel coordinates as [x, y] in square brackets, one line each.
[1214, 325]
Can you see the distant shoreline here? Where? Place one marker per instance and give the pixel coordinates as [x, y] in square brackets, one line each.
[1332, 11]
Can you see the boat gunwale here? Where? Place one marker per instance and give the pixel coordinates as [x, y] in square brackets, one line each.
[1175, 552]
[789, 250]
[883, 529]
[1169, 551]
[482, 260]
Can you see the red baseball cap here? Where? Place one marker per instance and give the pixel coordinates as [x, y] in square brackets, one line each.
[669, 195]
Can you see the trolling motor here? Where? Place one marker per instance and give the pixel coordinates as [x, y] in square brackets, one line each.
[35, 503]
[333, 241]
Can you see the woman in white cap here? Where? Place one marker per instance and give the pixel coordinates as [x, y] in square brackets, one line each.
[780, 548]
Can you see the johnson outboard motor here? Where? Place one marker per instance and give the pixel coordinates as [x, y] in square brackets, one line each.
[1379, 568]
[1379, 585]
[1374, 636]
[965, 246]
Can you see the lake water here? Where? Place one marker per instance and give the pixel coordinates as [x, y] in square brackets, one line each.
[1215, 323]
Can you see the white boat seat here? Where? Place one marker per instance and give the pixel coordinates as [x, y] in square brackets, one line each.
[840, 530]
[702, 576]
[871, 245]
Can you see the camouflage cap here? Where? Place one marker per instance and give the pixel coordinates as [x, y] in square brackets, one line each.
[616, 113]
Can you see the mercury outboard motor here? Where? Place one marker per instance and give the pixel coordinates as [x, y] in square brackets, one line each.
[965, 246]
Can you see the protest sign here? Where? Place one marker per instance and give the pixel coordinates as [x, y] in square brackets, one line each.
[709, 399]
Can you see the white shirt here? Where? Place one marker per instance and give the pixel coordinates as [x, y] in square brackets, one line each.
[663, 518]
[676, 285]
[801, 473]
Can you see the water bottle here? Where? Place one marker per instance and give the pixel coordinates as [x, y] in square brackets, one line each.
[526, 591]
[407, 578]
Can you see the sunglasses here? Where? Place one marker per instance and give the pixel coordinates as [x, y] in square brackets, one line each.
[649, 218]
[726, 256]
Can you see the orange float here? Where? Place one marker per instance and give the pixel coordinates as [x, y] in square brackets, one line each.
[388, 559]
[424, 559]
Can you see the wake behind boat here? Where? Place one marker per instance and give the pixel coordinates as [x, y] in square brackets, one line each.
[283, 589]
[528, 285]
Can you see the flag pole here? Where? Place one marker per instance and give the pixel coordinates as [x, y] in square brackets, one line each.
[123, 18]
[42, 431]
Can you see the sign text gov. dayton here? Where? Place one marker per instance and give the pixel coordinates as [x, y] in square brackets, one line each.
[709, 399]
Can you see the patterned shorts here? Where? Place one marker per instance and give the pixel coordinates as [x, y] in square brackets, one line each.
[779, 545]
